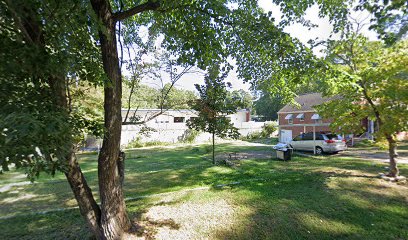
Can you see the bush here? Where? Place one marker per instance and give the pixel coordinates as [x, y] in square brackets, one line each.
[268, 129]
[266, 132]
[189, 136]
[366, 143]
[252, 136]
[137, 143]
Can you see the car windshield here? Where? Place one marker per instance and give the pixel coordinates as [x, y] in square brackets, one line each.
[334, 137]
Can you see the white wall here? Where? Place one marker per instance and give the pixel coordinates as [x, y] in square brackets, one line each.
[168, 131]
[173, 132]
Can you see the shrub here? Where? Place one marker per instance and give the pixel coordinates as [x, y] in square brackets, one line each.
[268, 129]
[137, 143]
[252, 136]
[189, 136]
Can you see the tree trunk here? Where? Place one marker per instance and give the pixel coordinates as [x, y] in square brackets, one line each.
[114, 218]
[213, 148]
[392, 150]
[87, 205]
[392, 144]
[28, 23]
[83, 194]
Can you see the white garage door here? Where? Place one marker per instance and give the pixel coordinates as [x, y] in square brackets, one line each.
[285, 135]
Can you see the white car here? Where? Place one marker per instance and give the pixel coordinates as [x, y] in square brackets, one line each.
[328, 143]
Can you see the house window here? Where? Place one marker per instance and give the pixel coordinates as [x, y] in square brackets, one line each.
[193, 118]
[289, 117]
[316, 118]
[301, 117]
[179, 119]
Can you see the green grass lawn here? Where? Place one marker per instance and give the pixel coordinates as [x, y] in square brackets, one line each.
[306, 198]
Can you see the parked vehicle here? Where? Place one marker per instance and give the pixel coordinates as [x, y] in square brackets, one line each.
[324, 142]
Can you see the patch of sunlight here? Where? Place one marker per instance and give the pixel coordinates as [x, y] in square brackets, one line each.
[7, 187]
[173, 176]
[19, 198]
[365, 184]
[89, 171]
[317, 224]
[189, 219]
[71, 202]
[389, 189]
[355, 200]
[218, 169]
[19, 176]
[395, 209]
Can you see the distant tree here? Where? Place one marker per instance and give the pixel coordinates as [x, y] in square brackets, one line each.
[176, 98]
[270, 101]
[163, 96]
[243, 98]
[372, 81]
[213, 108]
[268, 105]
[143, 96]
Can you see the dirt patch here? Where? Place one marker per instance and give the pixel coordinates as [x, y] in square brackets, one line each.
[175, 218]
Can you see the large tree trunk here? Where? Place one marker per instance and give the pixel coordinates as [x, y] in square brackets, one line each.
[114, 218]
[87, 205]
[392, 150]
[27, 22]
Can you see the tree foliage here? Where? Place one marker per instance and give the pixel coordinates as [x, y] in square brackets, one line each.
[46, 44]
[243, 98]
[36, 59]
[390, 19]
[371, 81]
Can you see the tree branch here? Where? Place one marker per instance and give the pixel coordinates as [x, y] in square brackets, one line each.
[119, 16]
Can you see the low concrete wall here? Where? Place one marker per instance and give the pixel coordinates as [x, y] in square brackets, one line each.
[174, 132]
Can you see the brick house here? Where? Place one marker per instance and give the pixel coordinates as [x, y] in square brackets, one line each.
[295, 120]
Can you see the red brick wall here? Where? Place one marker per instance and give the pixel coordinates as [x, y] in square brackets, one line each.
[296, 130]
[308, 120]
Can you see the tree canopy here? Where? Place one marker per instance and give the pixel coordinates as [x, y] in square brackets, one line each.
[46, 45]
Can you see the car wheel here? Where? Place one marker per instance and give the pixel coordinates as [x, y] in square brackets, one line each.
[319, 151]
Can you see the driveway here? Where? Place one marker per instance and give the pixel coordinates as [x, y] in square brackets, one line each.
[371, 153]
[374, 153]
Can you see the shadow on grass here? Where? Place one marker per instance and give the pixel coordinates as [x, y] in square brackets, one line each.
[330, 198]
[304, 206]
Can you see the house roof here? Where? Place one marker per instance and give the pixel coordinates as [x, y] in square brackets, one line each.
[306, 102]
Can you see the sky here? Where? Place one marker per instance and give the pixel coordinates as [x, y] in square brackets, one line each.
[322, 31]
